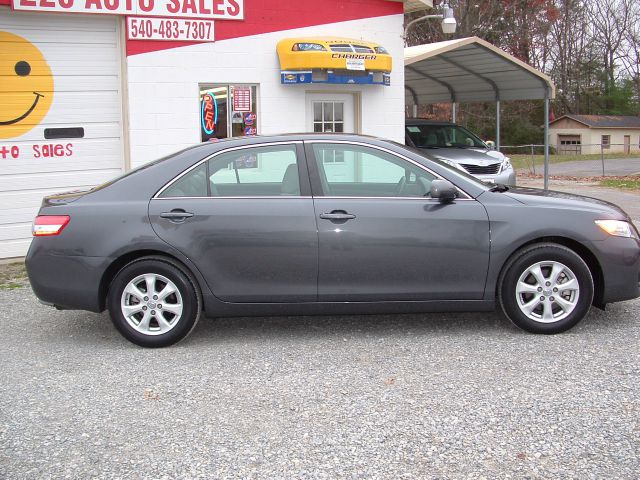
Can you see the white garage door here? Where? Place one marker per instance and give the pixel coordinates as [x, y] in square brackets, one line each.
[60, 113]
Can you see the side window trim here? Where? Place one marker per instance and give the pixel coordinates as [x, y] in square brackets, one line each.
[303, 176]
[315, 175]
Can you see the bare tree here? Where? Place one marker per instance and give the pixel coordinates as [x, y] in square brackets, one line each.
[569, 54]
[630, 57]
[590, 48]
[610, 20]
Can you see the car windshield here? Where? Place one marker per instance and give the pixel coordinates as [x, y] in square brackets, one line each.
[443, 136]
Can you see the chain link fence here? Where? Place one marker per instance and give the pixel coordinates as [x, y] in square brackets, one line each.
[571, 162]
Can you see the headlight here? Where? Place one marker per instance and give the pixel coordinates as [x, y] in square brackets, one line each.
[308, 47]
[617, 228]
[506, 164]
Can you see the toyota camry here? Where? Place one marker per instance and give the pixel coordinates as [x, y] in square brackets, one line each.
[324, 224]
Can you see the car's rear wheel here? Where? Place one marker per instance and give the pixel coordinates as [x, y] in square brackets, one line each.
[153, 302]
[546, 288]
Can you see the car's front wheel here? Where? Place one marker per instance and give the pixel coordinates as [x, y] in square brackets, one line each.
[153, 302]
[546, 288]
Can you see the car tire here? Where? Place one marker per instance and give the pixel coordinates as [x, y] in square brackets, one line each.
[545, 288]
[154, 302]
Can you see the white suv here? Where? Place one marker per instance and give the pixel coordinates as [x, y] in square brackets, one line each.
[457, 146]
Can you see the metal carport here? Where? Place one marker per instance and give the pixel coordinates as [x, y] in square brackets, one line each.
[473, 70]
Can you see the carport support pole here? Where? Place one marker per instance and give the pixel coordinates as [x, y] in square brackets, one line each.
[546, 140]
[415, 111]
[498, 125]
[453, 112]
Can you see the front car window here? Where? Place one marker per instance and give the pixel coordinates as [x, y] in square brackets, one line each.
[443, 136]
[368, 172]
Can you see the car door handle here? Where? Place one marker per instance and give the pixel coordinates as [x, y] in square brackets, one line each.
[337, 215]
[176, 215]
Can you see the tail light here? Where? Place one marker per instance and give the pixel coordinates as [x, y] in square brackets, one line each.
[45, 225]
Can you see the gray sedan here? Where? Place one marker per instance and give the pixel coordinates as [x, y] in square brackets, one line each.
[313, 224]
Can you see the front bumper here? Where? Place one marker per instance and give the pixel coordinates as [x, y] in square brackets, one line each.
[373, 62]
[508, 177]
[620, 261]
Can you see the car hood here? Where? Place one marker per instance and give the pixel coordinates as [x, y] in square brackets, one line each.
[551, 198]
[470, 156]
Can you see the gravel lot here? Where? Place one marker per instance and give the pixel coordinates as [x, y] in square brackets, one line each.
[394, 397]
[413, 396]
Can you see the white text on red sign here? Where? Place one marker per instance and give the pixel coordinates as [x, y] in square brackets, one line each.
[222, 9]
[142, 28]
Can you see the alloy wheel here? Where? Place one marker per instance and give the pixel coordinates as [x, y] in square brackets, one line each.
[151, 304]
[547, 292]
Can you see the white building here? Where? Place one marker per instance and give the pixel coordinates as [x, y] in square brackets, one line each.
[96, 87]
[578, 134]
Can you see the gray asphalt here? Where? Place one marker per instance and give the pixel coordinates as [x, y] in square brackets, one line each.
[593, 168]
[393, 397]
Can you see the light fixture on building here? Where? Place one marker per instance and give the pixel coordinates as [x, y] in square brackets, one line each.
[448, 23]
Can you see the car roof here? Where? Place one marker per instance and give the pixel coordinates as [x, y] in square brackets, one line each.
[288, 137]
[424, 121]
[161, 171]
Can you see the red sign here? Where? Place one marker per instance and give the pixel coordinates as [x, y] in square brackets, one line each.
[209, 114]
[249, 118]
[242, 99]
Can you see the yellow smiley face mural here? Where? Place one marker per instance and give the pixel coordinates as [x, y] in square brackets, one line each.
[26, 85]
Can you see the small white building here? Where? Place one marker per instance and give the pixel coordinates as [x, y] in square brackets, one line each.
[581, 134]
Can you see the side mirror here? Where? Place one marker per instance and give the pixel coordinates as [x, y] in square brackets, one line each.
[443, 190]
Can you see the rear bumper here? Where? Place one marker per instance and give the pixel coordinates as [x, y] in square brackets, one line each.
[66, 281]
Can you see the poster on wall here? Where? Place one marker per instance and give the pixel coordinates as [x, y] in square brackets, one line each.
[242, 99]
